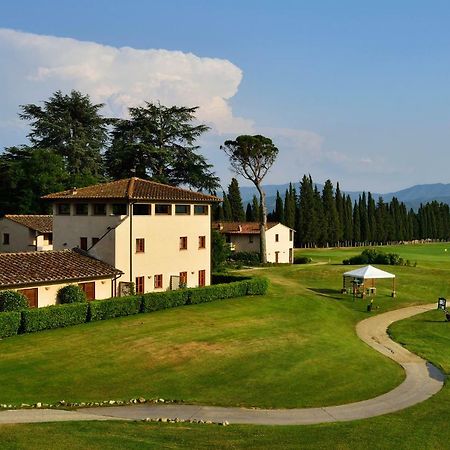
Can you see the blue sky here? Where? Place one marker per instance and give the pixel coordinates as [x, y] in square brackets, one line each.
[357, 92]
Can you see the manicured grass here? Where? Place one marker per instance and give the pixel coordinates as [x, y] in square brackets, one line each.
[423, 427]
[290, 348]
[294, 347]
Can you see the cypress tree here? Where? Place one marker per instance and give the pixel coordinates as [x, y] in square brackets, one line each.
[227, 214]
[364, 220]
[289, 207]
[339, 201]
[234, 197]
[256, 207]
[372, 224]
[279, 209]
[356, 223]
[330, 215]
[249, 217]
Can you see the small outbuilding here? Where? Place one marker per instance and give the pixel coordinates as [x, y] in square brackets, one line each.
[361, 281]
[39, 275]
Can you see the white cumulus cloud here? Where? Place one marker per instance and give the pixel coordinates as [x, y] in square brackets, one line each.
[34, 66]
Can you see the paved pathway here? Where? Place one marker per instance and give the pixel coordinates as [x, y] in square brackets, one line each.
[422, 381]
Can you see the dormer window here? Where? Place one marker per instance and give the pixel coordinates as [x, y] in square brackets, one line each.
[182, 209]
[142, 209]
[163, 209]
[99, 209]
[63, 209]
[119, 209]
[201, 210]
[81, 209]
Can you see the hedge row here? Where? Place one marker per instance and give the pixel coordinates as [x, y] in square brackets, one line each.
[9, 323]
[114, 307]
[60, 316]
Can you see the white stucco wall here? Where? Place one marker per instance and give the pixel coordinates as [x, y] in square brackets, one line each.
[242, 243]
[21, 238]
[162, 239]
[282, 246]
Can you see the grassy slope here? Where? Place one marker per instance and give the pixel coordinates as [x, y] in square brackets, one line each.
[290, 348]
[425, 426]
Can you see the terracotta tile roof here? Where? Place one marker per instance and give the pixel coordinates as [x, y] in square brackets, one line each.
[40, 223]
[28, 268]
[241, 227]
[133, 189]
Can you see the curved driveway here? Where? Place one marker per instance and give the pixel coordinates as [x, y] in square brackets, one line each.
[422, 381]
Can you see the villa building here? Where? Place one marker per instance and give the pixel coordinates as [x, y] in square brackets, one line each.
[24, 233]
[157, 236]
[245, 237]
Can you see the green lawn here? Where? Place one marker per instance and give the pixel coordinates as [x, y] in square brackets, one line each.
[294, 347]
[290, 348]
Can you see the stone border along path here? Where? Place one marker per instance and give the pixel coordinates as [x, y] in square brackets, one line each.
[422, 381]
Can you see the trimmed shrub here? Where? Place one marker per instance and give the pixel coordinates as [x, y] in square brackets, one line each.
[257, 286]
[248, 258]
[71, 294]
[217, 292]
[302, 260]
[220, 278]
[114, 307]
[162, 300]
[58, 316]
[9, 323]
[12, 301]
[373, 256]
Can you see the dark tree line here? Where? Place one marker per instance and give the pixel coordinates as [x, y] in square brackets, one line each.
[331, 218]
[72, 144]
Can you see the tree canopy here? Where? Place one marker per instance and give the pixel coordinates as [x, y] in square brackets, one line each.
[159, 142]
[252, 157]
[72, 126]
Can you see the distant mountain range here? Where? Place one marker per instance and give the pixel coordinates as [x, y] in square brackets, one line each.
[412, 196]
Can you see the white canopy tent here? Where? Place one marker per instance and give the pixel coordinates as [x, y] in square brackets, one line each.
[359, 276]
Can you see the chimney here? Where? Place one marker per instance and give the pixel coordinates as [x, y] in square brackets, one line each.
[74, 191]
[240, 228]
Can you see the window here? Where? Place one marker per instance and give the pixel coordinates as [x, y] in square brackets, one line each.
[140, 245]
[202, 242]
[183, 279]
[201, 277]
[158, 281]
[277, 238]
[99, 209]
[163, 209]
[142, 209]
[291, 235]
[201, 210]
[183, 243]
[182, 209]
[83, 243]
[88, 289]
[63, 209]
[139, 285]
[250, 238]
[95, 240]
[49, 238]
[5, 238]
[81, 209]
[119, 209]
